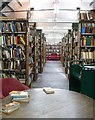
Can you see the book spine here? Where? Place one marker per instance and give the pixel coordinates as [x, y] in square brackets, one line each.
[22, 40]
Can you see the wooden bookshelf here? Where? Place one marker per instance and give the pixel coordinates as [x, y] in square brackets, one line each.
[37, 51]
[67, 50]
[34, 52]
[31, 57]
[52, 48]
[87, 36]
[40, 49]
[13, 34]
[75, 42]
[62, 51]
[44, 48]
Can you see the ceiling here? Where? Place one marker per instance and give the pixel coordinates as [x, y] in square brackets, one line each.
[54, 17]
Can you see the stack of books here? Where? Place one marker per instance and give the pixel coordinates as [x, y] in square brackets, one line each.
[10, 107]
[20, 96]
[48, 90]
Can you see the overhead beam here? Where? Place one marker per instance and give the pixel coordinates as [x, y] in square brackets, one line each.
[53, 9]
[4, 4]
[10, 8]
[19, 3]
[15, 11]
[56, 22]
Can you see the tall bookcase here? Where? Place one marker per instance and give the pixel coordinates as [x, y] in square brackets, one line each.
[87, 36]
[52, 48]
[67, 50]
[34, 50]
[40, 49]
[62, 53]
[31, 56]
[13, 40]
[44, 48]
[75, 42]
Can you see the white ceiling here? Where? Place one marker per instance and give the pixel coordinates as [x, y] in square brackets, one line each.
[54, 25]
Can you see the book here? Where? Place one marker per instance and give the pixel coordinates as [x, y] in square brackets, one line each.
[22, 40]
[48, 90]
[0, 40]
[10, 107]
[21, 99]
[20, 96]
[88, 41]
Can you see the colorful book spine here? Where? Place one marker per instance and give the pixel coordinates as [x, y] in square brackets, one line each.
[22, 40]
[12, 39]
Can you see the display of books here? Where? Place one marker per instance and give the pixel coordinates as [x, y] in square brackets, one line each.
[20, 96]
[10, 107]
[48, 90]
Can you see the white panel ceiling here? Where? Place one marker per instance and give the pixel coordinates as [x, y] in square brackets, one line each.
[56, 25]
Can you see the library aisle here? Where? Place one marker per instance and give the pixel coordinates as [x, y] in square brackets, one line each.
[52, 76]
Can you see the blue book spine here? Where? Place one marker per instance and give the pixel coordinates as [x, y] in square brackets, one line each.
[17, 52]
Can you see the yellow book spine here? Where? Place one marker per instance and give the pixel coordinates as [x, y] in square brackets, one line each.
[22, 40]
[84, 42]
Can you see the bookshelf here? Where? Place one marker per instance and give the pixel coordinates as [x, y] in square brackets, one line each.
[31, 58]
[62, 53]
[40, 50]
[34, 50]
[75, 41]
[87, 36]
[13, 37]
[52, 48]
[44, 48]
[67, 50]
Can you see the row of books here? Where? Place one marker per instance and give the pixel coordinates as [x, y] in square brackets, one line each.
[7, 75]
[88, 41]
[87, 15]
[88, 28]
[16, 65]
[88, 55]
[13, 53]
[20, 76]
[12, 26]
[11, 39]
[17, 98]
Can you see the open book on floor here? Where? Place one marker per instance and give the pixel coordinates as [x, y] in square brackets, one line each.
[48, 90]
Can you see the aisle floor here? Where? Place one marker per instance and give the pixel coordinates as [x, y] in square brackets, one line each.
[52, 76]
